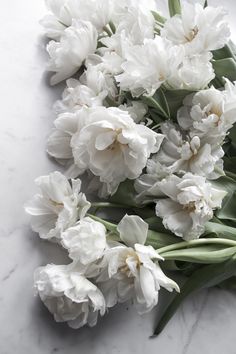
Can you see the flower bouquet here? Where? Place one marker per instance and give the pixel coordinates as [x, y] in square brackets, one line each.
[147, 117]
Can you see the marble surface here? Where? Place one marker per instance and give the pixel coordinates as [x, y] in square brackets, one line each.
[206, 323]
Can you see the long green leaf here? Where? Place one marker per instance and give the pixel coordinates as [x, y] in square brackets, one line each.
[220, 231]
[159, 239]
[175, 100]
[158, 103]
[206, 276]
[158, 17]
[228, 209]
[174, 7]
[225, 68]
[125, 194]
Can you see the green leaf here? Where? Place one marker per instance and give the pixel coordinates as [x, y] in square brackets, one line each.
[205, 276]
[230, 164]
[228, 284]
[158, 17]
[175, 100]
[228, 209]
[222, 53]
[155, 223]
[125, 194]
[159, 239]
[157, 119]
[225, 68]
[205, 254]
[220, 231]
[185, 268]
[174, 7]
[158, 102]
[205, 4]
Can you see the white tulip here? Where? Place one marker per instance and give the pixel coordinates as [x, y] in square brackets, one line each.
[209, 113]
[90, 90]
[63, 12]
[58, 145]
[85, 241]
[68, 295]
[194, 73]
[190, 204]
[133, 272]
[137, 24]
[142, 76]
[197, 29]
[112, 146]
[147, 184]
[76, 43]
[112, 54]
[58, 205]
[182, 153]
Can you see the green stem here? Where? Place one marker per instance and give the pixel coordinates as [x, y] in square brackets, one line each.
[230, 174]
[108, 205]
[108, 225]
[187, 244]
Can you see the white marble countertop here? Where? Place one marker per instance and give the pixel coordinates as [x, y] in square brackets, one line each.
[206, 323]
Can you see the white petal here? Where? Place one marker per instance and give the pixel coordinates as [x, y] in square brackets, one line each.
[132, 230]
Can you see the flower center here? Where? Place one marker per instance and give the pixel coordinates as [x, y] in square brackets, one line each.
[190, 207]
[116, 145]
[217, 112]
[124, 269]
[192, 34]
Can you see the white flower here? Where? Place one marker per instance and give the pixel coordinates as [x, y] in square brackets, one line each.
[190, 204]
[194, 73]
[122, 7]
[133, 272]
[209, 113]
[182, 153]
[137, 24]
[98, 12]
[112, 146]
[58, 145]
[112, 54]
[76, 43]
[89, 91]
[85, 241]
[197, 29]
[147, 184]
[136, 109]
[68, 295]
[142, 75]
[58, 205]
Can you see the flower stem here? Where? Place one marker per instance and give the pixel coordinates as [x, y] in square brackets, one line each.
[108, 225]
[194, 243]
[230, 174]
[108, 205]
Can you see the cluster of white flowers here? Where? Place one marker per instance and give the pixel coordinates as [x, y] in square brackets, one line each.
[119, 59]
[188, 162]
[123, 48]
[102, 273]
